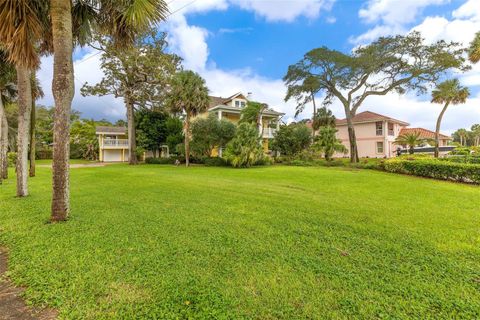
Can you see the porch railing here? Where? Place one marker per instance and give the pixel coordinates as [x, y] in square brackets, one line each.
[269, 133]
[115, 143]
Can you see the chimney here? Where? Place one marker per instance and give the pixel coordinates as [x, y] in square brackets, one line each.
[249, 96]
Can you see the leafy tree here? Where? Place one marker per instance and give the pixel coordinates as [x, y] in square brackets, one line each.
[476, 134]
[151, 128]
[84, 140]
[139, 74]
[409, 139]
[188, 95]
[474, 50]
[175, 136]
[292, 139]
[446, 93]
[327, 142]
[252, 113]
[208, 133]
[397, 63]
[245, 148]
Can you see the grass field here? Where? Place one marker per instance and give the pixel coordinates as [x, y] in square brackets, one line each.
[163, 242]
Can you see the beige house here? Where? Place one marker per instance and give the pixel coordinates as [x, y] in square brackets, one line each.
[376, 135]
[113, 144]
[230, 108]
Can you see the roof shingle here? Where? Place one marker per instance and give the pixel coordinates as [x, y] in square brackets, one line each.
[424, 133]
[369, 116]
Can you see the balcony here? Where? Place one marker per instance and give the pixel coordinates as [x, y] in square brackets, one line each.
[269, 133]
[115, 143]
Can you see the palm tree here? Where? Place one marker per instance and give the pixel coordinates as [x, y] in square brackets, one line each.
[476, 134]
[323, 118]
[447, 92]
[462, 135]
[409, 139]
[188, 95]
[8, 91]
[474, 50]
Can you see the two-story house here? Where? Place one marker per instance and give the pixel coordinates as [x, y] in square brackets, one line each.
[112, 143]
[231, 108]
[376, 134]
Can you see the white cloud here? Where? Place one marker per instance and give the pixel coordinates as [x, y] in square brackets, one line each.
[470, 9]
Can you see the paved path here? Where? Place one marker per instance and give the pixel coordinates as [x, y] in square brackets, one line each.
[77, 165]
[12, 306]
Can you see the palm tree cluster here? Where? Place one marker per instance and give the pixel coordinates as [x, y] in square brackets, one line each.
[468, 138]
[31, 28]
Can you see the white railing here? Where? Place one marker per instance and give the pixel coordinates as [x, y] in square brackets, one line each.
[115, 143]
[269, 133]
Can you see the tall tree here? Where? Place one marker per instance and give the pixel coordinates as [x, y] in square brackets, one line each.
[188, 95]
[474, 50]
[323, 118]
[139, 74]
[476, 134]
[446, 93]
[8, 91]
[328, 143]
[389, 64]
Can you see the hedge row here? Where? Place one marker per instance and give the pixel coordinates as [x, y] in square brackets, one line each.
[437, 169]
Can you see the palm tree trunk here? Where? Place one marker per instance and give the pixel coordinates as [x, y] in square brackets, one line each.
[63, 91]
[187, 140]
[437, 130]
[132, 142]
[24, 113]
[32, 139]
[3, 143]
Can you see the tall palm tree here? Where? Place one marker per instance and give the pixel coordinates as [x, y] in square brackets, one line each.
[474, 50]
[121, 20]
[462, 135]
[409, 139]
[8, 91]
[446, 93]
[188, 95]
[476, 134]
[24, 29]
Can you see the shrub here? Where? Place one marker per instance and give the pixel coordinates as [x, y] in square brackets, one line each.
[245, 149]
[170, 160]
[437, 169]
[292, 139]
[12, 159]
[215, 162]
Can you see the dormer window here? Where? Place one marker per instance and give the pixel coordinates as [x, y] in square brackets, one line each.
[240, 104]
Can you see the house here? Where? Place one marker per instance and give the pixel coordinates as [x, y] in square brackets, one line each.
[376, 135]
[113, 144]
[230, 108]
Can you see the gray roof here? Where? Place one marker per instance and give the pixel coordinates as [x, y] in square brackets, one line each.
[105, 129]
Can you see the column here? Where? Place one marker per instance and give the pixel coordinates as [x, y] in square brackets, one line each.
[219, 114]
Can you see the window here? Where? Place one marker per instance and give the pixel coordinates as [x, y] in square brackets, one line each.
[237, 103]
[379, 127]
[242, 104]
[390, 129]
[380, 147]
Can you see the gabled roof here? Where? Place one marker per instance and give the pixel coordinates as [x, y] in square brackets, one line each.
[105, 129]
[215, 101]
[424, 133]
[369, 116]
[220, 103]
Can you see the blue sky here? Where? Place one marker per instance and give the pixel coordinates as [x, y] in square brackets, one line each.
[247, 45]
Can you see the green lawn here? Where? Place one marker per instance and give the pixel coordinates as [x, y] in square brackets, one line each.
[162, 242]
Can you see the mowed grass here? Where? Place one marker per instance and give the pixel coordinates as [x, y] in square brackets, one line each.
[164, 242]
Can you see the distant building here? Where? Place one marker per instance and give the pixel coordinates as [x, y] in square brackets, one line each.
[113, 144]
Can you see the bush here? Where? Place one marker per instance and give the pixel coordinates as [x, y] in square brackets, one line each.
[215, 162]
[245, 149]
[12, 159]
[463, 159]
[170, 160]
[436, 169]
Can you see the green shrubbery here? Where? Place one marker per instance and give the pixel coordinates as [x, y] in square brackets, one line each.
[12, 159]
[437, 169]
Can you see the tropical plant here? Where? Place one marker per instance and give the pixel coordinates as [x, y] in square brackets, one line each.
[245, 149]
[188, 95]
[253, 113]
[461, 136]
[327, 142]
[411, 139]
[474, 50]
[446, 93]
[377, 69]
[475, 129]
[174, 132]
[151, 127]
[323, 118]
[208, 133]
[292, 139]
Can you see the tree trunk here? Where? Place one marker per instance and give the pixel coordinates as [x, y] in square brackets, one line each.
[63, 91]
[314, 116]
[187, 140]
[132, 142]
[24, 113]
[437, 130]
[3, 143]
[32, 139]
[352, 138]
